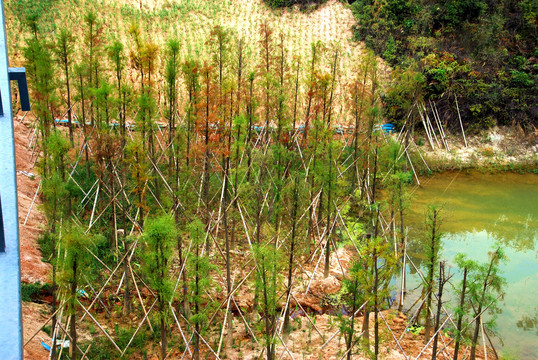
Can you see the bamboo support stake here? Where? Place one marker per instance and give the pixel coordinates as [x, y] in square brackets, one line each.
[245, 322]
[109, 278]
[461, 123]
[428, 121]
[44, 324]
[492, 346]
[442, 128]
[404, 267]
[32, 204]
[188, 346]
[66, 334]
[86, 352]
[62, 341]
[139, 296]
[483, 339]
[22, 119]
[418, 151]
[201, 337]
[355, 342]
[439, 126]
[286, 347]
[423, 280]
[338, 331]
[393, 336]
[94, 205]
[413, 168]
[426, 129]
[138, 328]
[180, 330]
[433, 336]
[100, 302]
[307, 316]
[224, 325]
[100, 327]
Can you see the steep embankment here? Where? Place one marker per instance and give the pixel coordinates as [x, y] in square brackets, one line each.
[31, 219]
[31, 223]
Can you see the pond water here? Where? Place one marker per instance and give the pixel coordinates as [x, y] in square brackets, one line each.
[479, 211]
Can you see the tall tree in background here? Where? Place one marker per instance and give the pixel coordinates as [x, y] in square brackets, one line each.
[171, 75]
[64, 51]
[117, 56]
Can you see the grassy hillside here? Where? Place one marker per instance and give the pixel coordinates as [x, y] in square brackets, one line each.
[190, 22]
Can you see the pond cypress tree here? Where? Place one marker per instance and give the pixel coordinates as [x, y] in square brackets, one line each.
[485, 287]
[74, 263]
[433, 245]
[64, 51]
[159, 238]
[201, 282]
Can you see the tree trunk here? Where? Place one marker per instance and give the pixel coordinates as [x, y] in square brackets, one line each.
[429, 294]
[164, 341]
[460, 315]
[73, 324]
[229, 324]
[479, 310]
[286, 325]
[376, 304]
[439, 306]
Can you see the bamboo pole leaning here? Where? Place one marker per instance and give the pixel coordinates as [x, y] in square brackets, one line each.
[461, 123]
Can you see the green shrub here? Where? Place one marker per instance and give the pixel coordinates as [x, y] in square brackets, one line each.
[34, 292]
[46, 245]
[303, 4]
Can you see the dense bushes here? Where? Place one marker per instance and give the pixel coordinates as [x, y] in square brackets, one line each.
[303, 4]
[34, 292]
[480, 51]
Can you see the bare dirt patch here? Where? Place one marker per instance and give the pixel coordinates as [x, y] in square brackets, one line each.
[498, 146]
[33, 269]
[33, 316]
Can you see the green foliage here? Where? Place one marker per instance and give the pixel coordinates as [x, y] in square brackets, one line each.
[368, 279]
[159, 238]
[473, 66]
[74, 262]
[407, 87]
[303, 4]
[54, 184]
[46, 243]
[138, 343]
[42, 80]
[485, 287]
[269, 262]
[281, 184]
[34, 14]
[34, 292]
[486, 283]
[199, 267]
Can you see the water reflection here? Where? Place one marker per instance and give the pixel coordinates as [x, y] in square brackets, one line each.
[529, 322]
[480, 210]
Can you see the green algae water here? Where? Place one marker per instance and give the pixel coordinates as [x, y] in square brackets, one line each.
[479, 211]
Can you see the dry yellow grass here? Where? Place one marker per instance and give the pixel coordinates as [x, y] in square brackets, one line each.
[190, 21]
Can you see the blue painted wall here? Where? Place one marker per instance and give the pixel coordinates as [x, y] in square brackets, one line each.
[10, 294]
